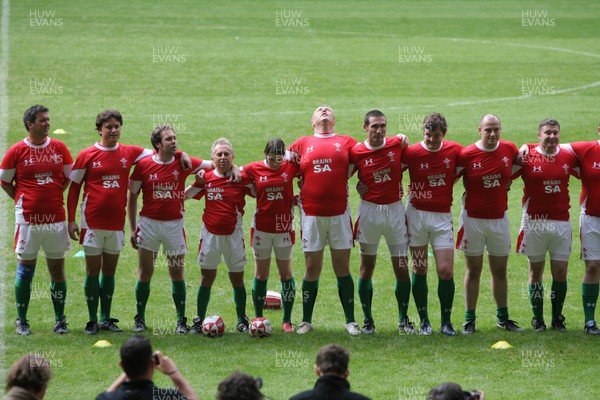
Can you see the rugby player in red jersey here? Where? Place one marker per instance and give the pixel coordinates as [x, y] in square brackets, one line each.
[486, 170]
[323, 159]
[222, 235]
[273, 226]
[161, 179]
[431, 164]
[545, 228]
[34, 173]
[381, 213]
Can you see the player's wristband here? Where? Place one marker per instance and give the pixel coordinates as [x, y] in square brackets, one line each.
[172, 372]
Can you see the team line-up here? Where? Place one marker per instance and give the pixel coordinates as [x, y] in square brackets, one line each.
[37, 170]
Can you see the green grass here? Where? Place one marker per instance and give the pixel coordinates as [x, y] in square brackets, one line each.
[227, 58]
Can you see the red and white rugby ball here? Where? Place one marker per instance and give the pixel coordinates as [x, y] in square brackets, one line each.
[273, 301]
[260, 327]
[213, 326]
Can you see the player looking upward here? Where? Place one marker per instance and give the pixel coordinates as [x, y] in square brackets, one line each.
[325, 217]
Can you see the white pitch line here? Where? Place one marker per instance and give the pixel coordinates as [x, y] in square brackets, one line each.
[452, 104]
[527, 46]
[522, 97]
[4, 219]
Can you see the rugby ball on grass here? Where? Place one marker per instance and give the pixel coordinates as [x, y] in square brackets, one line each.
[260, 327]
[213, 326]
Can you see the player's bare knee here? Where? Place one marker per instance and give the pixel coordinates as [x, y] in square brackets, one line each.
[473, 274]
[445, 272]
[560, 275]
[236, 279]
[207, 277]
[285, 275]
[402, 274]
[261, 276]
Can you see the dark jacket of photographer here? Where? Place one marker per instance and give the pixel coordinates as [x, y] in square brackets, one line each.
[330, 387]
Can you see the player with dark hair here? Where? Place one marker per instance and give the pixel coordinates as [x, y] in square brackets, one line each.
[588, 154]
[273, 226]
[222, 234]
[103, 171]
[239, 386]
[332, 370]
[34, 174]
[546, 174]
[162, 180]
[431, 164]
[138, 363]
[323, 159]
[381, 213]
[486, 168]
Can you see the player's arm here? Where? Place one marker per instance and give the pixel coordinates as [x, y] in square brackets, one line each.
[460, 171]
[67, 168]
[9, 188]
[72, 199]
[186, 161]
[351, 170]
[250, 190]
[236, 174]
[361, 189]
[195, 191]
[516, 171]
[461, 163]
[568, 147]
[7, 174]
[132, 197]
[68, 164]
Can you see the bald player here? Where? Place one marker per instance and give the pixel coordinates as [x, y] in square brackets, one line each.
[486, 169]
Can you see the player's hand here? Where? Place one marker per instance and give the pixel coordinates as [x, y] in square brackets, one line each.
[361, 188]
[200, 177]
[133, 240]
[404, 139]
[523, 154]
[236, 174]
[73, 229]
[165, 364]
[300, 182]
[186, 161]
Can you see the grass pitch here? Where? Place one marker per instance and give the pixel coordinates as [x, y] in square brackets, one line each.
[253, 70]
